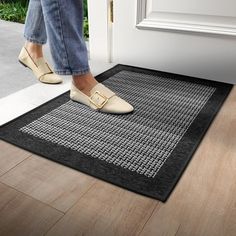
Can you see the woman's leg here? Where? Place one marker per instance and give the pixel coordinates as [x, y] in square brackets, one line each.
[34, 30]
[64, 26]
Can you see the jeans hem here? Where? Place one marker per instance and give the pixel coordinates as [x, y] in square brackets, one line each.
[72, 72]
[33, 40]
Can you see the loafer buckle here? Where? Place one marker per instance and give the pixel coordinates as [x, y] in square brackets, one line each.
[98, 99]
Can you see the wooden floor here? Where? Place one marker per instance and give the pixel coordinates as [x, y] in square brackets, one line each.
[40, 197]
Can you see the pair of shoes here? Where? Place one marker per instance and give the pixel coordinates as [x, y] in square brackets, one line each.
[102, 99]
[40, 68]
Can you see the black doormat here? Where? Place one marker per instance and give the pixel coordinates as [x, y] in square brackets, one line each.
[145, 151]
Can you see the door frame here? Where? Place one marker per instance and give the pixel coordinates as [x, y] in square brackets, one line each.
[100, 30]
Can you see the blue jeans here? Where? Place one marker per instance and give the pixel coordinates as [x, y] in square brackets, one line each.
[61, 21]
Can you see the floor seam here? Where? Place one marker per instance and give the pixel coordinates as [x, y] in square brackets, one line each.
[19, 191]
[157, 204]
[70, 208]
[1, 175]
[81, 196]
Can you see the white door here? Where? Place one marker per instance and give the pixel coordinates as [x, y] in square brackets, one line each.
[191, 37]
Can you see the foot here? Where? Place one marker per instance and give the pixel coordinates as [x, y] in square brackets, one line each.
[87, 90]
[84, 82]
[41, 69]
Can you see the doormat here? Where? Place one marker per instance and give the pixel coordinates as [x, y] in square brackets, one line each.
[145, 151]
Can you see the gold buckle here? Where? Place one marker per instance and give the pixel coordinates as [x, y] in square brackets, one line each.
[99, 106]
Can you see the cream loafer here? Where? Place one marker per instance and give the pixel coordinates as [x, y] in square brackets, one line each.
[102, 99]
[40, 68]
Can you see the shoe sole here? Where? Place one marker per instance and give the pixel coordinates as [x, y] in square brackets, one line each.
[23, 64]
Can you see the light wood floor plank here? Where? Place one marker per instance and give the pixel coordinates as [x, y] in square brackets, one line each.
[204, 201]
[23, 215]
[10, 156]
[49, 182]
[106, 210]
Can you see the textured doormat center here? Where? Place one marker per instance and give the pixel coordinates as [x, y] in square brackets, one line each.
[145, 151]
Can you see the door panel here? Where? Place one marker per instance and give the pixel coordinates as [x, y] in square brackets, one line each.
[175, 38]
[202, 7]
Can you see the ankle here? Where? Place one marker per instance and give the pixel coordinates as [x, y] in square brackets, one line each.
[83, 77]
[35, 50]
[84, 82]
